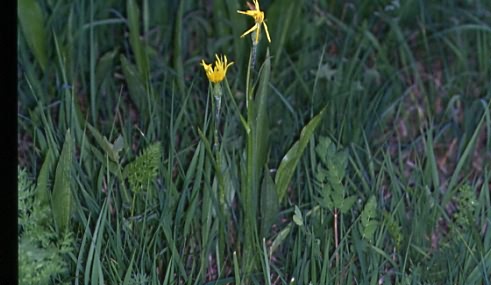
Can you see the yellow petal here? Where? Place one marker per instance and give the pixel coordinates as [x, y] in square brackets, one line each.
[267, 32]
[248, 13]
[250, 30]
[256, 3]
[226, 67]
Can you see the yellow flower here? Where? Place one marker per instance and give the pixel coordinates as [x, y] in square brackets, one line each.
[218, 74]
[258, 16]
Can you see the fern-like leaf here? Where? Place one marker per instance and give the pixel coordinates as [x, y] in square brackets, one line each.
[368, 221]
[394, 229]
[329, 177]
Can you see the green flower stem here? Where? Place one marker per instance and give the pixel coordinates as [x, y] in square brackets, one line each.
[217, 95]
[250, 185]
[254, 50]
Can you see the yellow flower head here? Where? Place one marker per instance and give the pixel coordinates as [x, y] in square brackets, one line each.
[218, 74]
[258, 16]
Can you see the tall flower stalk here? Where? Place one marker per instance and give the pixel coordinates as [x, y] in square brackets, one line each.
[216, 75]
[256, 144]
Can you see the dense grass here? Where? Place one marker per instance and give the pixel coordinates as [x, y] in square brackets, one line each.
[356, 150]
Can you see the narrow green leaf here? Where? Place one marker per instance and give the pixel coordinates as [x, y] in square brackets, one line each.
[463, 159]
[62, 196]
[33, 27]
[175, 253]
[285, 16]
[127, 276]
[135, 41]
[280, 239]
[236, 269]
[178, 47]
[431, 170]
[480, 270]
[93, 265]
[197, 178]
[265, 263]
[290, 160]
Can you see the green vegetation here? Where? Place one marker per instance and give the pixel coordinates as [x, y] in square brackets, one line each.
[355, 148]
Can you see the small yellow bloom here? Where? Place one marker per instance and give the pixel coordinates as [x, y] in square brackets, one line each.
[218, 74]
[258, 16]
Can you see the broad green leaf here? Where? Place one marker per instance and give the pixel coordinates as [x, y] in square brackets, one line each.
[135, 84]
[105, 144]
[62, 196]
[262, 128]
[269, 204]
[297, 217]
[104, 66]
[118, 144]
[112, 166]
[42, 190]
[32, 23]
[290, 160]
